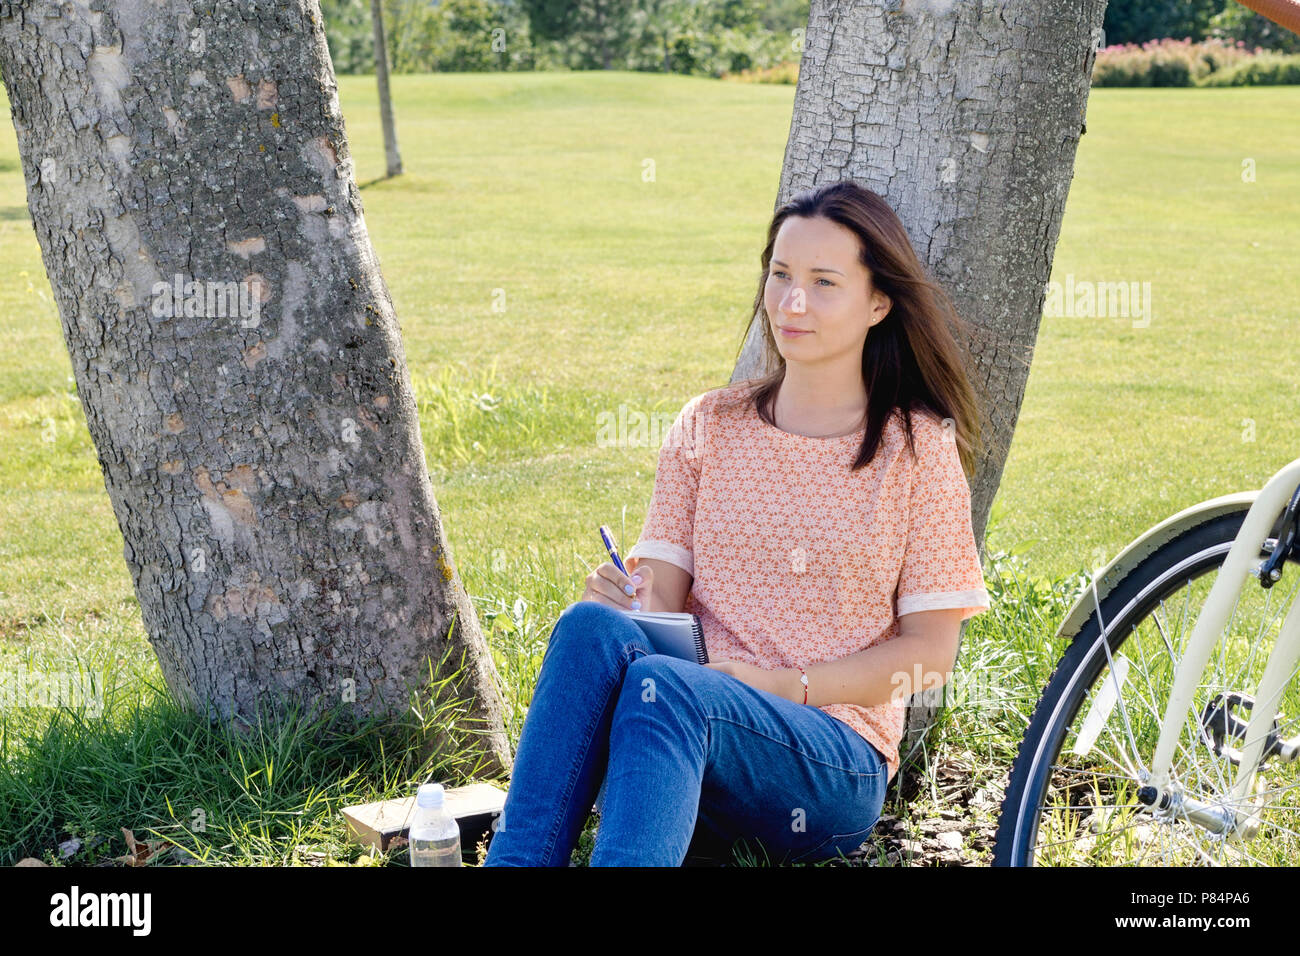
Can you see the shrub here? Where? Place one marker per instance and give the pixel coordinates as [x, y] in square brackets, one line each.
[1267, 69]
[1170, 62]
[779, 73]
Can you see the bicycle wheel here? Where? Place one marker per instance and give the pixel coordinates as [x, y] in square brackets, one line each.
[1072, 796]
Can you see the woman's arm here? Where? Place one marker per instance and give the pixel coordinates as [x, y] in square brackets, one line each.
[671, 585]
[922, 656]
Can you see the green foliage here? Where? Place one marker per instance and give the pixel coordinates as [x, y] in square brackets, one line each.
[735, 14]
[598, 34]
[709, 38]
[548, 20]
[717, 39]
[471, 35]
[349, 34]
[1134, 21]
[453, 36]
[747, 39]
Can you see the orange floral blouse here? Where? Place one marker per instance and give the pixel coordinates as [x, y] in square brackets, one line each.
[795, 558]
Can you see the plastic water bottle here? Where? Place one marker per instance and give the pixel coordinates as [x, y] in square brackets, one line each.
[434, 835]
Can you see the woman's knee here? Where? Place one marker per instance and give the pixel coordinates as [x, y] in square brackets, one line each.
[594, 625]
[592, 617]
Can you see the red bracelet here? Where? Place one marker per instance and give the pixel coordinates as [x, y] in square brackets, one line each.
[803, 678]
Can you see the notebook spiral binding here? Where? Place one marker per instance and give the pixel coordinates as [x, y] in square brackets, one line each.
[697, 631]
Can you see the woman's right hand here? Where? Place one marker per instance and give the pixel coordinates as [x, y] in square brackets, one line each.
[605, 585]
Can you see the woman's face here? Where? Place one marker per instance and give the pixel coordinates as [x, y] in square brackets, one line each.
[817, 283]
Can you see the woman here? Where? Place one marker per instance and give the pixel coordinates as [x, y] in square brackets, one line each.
[818, 522]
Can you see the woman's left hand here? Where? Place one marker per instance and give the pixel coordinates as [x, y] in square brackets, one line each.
[773, 681]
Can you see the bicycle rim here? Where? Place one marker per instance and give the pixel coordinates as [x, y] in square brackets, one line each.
[1104, 719]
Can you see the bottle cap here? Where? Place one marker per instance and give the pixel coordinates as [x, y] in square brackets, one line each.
[429, 795]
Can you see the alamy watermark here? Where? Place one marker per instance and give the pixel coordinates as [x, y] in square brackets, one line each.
[931, 688]
[1099, 300]
[21, 688]
[209, 298]
[627, 428]
[90, 908]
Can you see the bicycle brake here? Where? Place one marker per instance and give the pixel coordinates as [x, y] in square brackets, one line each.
[1269, 572]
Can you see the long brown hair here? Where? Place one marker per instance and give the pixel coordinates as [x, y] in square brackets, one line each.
[910, 359]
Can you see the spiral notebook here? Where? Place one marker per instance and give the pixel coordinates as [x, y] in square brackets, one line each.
[672, 633]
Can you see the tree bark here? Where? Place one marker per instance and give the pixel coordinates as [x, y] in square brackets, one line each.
[965, 117]
[258, 435]
[392, 157]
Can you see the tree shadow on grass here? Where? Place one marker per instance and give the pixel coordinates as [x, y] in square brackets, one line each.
[266, 791]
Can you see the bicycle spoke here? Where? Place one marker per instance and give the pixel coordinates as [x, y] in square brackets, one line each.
[1268, 623]
[1175, 661]
[1105, 643]
[1194, 716]
[1178, 742]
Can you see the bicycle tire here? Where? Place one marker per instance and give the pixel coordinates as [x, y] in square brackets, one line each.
[1186, 561]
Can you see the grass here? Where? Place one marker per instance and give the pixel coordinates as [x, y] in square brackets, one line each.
[626, 261]
[205, 792]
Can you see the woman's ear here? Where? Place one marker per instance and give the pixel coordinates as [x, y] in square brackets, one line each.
[878, 299]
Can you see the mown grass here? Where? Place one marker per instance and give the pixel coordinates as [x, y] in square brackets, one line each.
[561, 245]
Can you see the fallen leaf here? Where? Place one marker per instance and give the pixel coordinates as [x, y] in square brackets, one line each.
[135, 852]
[139, 854]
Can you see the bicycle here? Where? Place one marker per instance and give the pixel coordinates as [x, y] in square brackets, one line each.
[1152, 747]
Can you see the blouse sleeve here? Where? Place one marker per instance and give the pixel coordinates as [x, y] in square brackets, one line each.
[668, 533]
[941, 564]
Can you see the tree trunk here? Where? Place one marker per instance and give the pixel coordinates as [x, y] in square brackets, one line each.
[391, 155]
[966, 120]
[257, 431]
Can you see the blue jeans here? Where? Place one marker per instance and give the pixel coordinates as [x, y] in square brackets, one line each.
[685, 753]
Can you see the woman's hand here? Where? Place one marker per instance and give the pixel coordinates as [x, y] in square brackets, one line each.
[774, 682]
[608, 585]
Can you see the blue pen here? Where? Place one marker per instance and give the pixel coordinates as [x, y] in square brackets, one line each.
[608, 537]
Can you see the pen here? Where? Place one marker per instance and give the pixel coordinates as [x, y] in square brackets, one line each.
[608, 537]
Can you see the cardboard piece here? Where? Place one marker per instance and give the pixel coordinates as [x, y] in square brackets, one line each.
[474, 807]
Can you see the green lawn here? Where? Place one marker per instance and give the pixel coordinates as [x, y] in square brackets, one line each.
[541, 280]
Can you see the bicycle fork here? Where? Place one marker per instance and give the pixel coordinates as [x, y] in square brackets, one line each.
[1235, 816]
